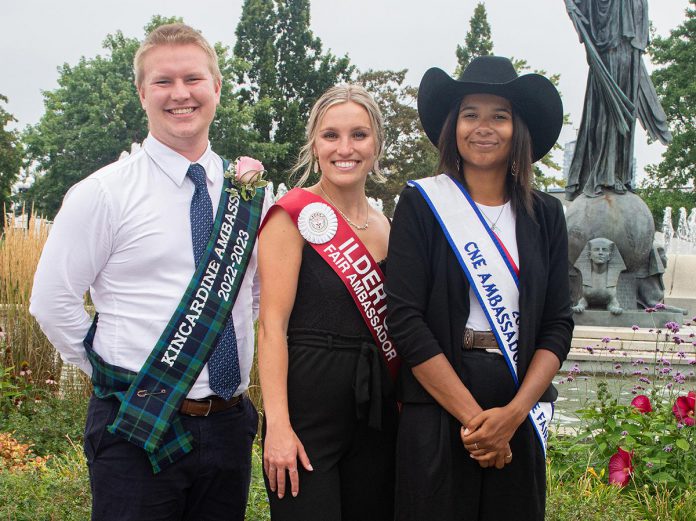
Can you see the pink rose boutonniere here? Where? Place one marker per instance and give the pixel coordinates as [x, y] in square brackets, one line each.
[247, 175]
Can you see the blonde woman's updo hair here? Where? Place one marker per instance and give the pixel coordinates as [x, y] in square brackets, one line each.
[335, 96]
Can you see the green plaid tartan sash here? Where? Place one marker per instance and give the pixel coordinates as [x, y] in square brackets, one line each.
[150, 399]
[110, 381]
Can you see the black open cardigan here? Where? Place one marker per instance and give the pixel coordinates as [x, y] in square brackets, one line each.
[428, 293]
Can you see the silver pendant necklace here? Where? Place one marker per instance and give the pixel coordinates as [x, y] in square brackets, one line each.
[494, 224]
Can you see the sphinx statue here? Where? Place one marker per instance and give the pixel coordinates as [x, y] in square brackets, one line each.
[600, 265]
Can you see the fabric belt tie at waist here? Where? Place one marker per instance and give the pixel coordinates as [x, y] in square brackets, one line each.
[368, 385]
[210, 405]
[371, 381]
[478, 339]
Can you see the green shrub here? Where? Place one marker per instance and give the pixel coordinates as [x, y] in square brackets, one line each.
[661, 447]
[48, 425]
[60, 492]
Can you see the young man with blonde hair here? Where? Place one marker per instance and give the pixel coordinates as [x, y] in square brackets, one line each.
[169, 258]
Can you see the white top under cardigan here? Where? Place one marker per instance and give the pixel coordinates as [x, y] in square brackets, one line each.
[504, 218]
[124, 233]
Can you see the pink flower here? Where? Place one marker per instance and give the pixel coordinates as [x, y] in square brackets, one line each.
[683, 408]
[246, 168]
[620, 468]
[642, 404]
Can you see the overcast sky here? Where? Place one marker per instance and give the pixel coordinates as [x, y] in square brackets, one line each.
[38, 36]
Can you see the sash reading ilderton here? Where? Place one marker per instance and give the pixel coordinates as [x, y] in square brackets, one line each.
[336, 243]
[151, 398]
[492, 274]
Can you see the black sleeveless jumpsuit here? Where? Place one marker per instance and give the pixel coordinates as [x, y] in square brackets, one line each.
[341, 404]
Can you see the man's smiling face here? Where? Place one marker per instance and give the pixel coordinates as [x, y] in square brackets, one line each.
[179, 95]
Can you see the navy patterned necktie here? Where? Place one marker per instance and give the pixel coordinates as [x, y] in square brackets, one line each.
[223, 364]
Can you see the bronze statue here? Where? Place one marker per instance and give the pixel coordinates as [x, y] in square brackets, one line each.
[615, 35]
[600, 265]
[650, 284]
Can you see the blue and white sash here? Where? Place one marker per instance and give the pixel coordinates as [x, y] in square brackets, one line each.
[491, 272]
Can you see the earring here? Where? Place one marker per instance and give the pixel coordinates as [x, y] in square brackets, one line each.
[513, 169]
[459, 165]
[315, 165]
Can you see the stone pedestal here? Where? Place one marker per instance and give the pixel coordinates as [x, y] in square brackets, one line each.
[626, 221]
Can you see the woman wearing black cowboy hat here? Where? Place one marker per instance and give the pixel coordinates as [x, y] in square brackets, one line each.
[478, 300]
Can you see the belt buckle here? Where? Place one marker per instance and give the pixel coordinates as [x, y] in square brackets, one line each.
[210, 407]
[468, 338]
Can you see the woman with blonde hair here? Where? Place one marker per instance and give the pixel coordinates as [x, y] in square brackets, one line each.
[324, 355]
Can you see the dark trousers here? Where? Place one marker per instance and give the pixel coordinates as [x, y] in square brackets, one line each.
[209, 484]
[436, 478]
[353, 476]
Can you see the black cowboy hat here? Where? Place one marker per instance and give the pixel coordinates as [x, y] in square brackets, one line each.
[532, 96]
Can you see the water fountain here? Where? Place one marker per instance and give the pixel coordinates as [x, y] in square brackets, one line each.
[682, 225]
[377, 204]
[282, 190]
[691, 221]
[667, 228]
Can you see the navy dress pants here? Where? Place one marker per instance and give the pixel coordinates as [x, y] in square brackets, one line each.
[211, 483]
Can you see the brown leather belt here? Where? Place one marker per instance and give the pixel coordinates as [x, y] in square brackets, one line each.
[478, 339]
[209, 405]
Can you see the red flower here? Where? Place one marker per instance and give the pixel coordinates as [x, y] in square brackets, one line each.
[620, 468]
[684, 408]
[642, 404]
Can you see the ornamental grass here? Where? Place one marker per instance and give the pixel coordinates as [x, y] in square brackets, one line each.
[22, 343]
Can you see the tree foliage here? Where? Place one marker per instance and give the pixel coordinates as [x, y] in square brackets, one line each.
[256, 34]
[658, 198]
[95, 114]
[232, 133]
[286, 71]
[477, 42]
[91, 117]
[10, 159]
[675, 85]
[541, 180]
[408, 153]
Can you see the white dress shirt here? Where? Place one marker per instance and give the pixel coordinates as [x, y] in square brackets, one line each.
[124, 233]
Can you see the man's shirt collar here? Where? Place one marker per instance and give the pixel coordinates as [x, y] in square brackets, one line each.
[173, 164]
